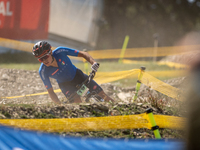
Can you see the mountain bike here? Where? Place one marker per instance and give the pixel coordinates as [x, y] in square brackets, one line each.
[84, 93]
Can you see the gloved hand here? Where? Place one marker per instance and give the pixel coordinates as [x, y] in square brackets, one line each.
[95, 66]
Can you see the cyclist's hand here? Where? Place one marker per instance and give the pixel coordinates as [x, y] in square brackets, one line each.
[95, 67]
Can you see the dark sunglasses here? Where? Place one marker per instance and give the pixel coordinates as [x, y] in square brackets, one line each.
[44, 57]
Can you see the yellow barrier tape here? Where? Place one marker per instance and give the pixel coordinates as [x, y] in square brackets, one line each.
[170, 73]
[149, 80]
[105, 77]
[143, 52]
[161, 87]
[23, 46]
[170, 64]
[128, 61]
[111, 53]
[95, 123]
[36, 94]
[173, 65]
[170, 122]
[18, 45]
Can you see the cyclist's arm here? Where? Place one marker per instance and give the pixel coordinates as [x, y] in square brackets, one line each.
[53, 96]
[87, 57]
[47, 83]
[73, 52]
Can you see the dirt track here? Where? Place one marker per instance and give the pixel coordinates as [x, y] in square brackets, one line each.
[23, 82]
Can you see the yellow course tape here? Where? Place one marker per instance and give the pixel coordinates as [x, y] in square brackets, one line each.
[111, 53]
[170, 64]
[36, 94]
[162, 87]
[143, 52]
[105, 77]
[95, 123]
[173, 65]
[148, 80]
[170, 73]
[23, 46]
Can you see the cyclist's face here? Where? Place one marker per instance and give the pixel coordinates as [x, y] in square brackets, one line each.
[46, 59]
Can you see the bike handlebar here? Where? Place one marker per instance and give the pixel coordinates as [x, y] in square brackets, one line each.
[92, 74]
[90, 77]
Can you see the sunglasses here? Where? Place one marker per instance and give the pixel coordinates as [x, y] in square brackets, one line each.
[46, 56]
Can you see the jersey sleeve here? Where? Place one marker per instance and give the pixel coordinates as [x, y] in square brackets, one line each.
[45, 78]
[67, 51]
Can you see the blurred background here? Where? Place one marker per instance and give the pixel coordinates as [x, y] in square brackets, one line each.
[101, 24]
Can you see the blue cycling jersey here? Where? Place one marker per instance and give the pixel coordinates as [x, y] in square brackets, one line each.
[65, 71]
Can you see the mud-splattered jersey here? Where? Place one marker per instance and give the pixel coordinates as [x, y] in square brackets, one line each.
[65, 71]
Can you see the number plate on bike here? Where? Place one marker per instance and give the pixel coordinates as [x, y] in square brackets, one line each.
[83, 90]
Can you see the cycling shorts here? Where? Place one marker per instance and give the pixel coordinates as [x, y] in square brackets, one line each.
[69, 87]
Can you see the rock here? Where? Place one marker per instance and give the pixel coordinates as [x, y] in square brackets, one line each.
[139, 104]
[2, 116]
[123, 96]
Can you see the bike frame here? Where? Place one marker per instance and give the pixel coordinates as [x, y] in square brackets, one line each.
[83, 90]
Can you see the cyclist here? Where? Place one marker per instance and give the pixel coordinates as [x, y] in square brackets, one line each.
[56, 64]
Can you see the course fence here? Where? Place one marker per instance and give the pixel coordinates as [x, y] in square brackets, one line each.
[112, 53]
[114, 122]
[167, 63]
[96, 123]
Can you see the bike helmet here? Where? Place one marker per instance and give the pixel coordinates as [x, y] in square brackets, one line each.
[41, 48]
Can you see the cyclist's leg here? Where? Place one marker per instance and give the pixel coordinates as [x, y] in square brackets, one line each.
[93, 86]
[69, 88]
[70, 92]
[76, 99]
[103, 95]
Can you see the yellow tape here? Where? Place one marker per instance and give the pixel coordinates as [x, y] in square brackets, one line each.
[36, 94]
[23, 46]
[105, 77]
[173, 65]
[170, 64]
[149, 80]
[162, 87]
[169, 73]
[111, 53]
[95, 124]
[144, 52]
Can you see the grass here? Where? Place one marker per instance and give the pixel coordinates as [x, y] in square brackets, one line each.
[113, 66]
[27, 61]
[109, 66]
